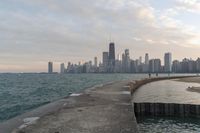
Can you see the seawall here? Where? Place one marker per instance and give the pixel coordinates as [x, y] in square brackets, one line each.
[166, 109]
[162, 109]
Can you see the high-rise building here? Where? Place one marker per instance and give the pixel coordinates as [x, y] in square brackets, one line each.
[168, 62]
[157, 65]
[151, 66]
[198, 65]
[185, 65]
[133, 66]
[105, 61]
[127, 60]
[50, 67]
[111, 57]
[191, 66]
[146, 63]
[140, 60]
[95, 62]
[105, 58]
[112, 51]
[176, 66]
[146, 59]
[62, 68]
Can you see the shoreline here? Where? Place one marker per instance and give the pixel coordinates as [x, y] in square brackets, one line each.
[9, 125]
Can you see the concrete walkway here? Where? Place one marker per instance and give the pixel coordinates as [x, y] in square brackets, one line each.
[105, 109]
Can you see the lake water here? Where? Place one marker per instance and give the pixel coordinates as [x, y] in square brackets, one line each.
[168, 125]
[20, 93]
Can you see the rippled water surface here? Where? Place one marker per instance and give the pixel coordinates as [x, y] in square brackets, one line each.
[169, 125]
[22, 92]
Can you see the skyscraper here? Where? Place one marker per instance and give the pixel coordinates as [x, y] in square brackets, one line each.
[157, 65]
[168, 62]
[112, 51]
[50, 67]
[127, 61]
[146, 59]
[151, 66]
[105, 58]
[95, 62]
[62, 68]
[111, 56]
[140, 60]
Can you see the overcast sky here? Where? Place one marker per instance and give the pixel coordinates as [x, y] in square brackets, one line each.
[33, 32]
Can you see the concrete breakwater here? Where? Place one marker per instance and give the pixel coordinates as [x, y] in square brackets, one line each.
[106, 108]
[162, 109]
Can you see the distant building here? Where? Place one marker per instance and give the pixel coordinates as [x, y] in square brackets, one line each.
[176, 66]
[157, 65]
[146, 59]
[151, 66]
[118, 66]
[140, 60]
[185, 65]
[145, 66]
[111, 57]
[50, 67]
[126, 61]
[168, 62]
[62, 68]
[133, 67]
[105, 61]
[191, 66]
[112, 51]
[198, 65]
[95, 62]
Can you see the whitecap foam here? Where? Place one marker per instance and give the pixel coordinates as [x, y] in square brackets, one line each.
[75, 94]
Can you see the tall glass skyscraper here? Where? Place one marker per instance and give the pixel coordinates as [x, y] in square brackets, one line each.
[111, 56]
[168, 62]
[50, 67]
[112, 51]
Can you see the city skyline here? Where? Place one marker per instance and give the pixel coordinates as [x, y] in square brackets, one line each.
[36, 31]
[125, 64]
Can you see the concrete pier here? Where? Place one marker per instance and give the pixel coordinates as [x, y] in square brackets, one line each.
[166, 109]
[105, 109]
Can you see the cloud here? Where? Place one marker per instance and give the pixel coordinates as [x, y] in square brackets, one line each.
[188, 5]
[71, 30]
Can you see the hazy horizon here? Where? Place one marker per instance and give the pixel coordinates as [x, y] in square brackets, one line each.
[36, 31]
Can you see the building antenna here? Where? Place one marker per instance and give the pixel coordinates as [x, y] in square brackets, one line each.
[110, 38]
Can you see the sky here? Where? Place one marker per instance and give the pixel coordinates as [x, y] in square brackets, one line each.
[33, 32]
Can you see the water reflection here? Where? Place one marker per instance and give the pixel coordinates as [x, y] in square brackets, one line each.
[167, 91]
